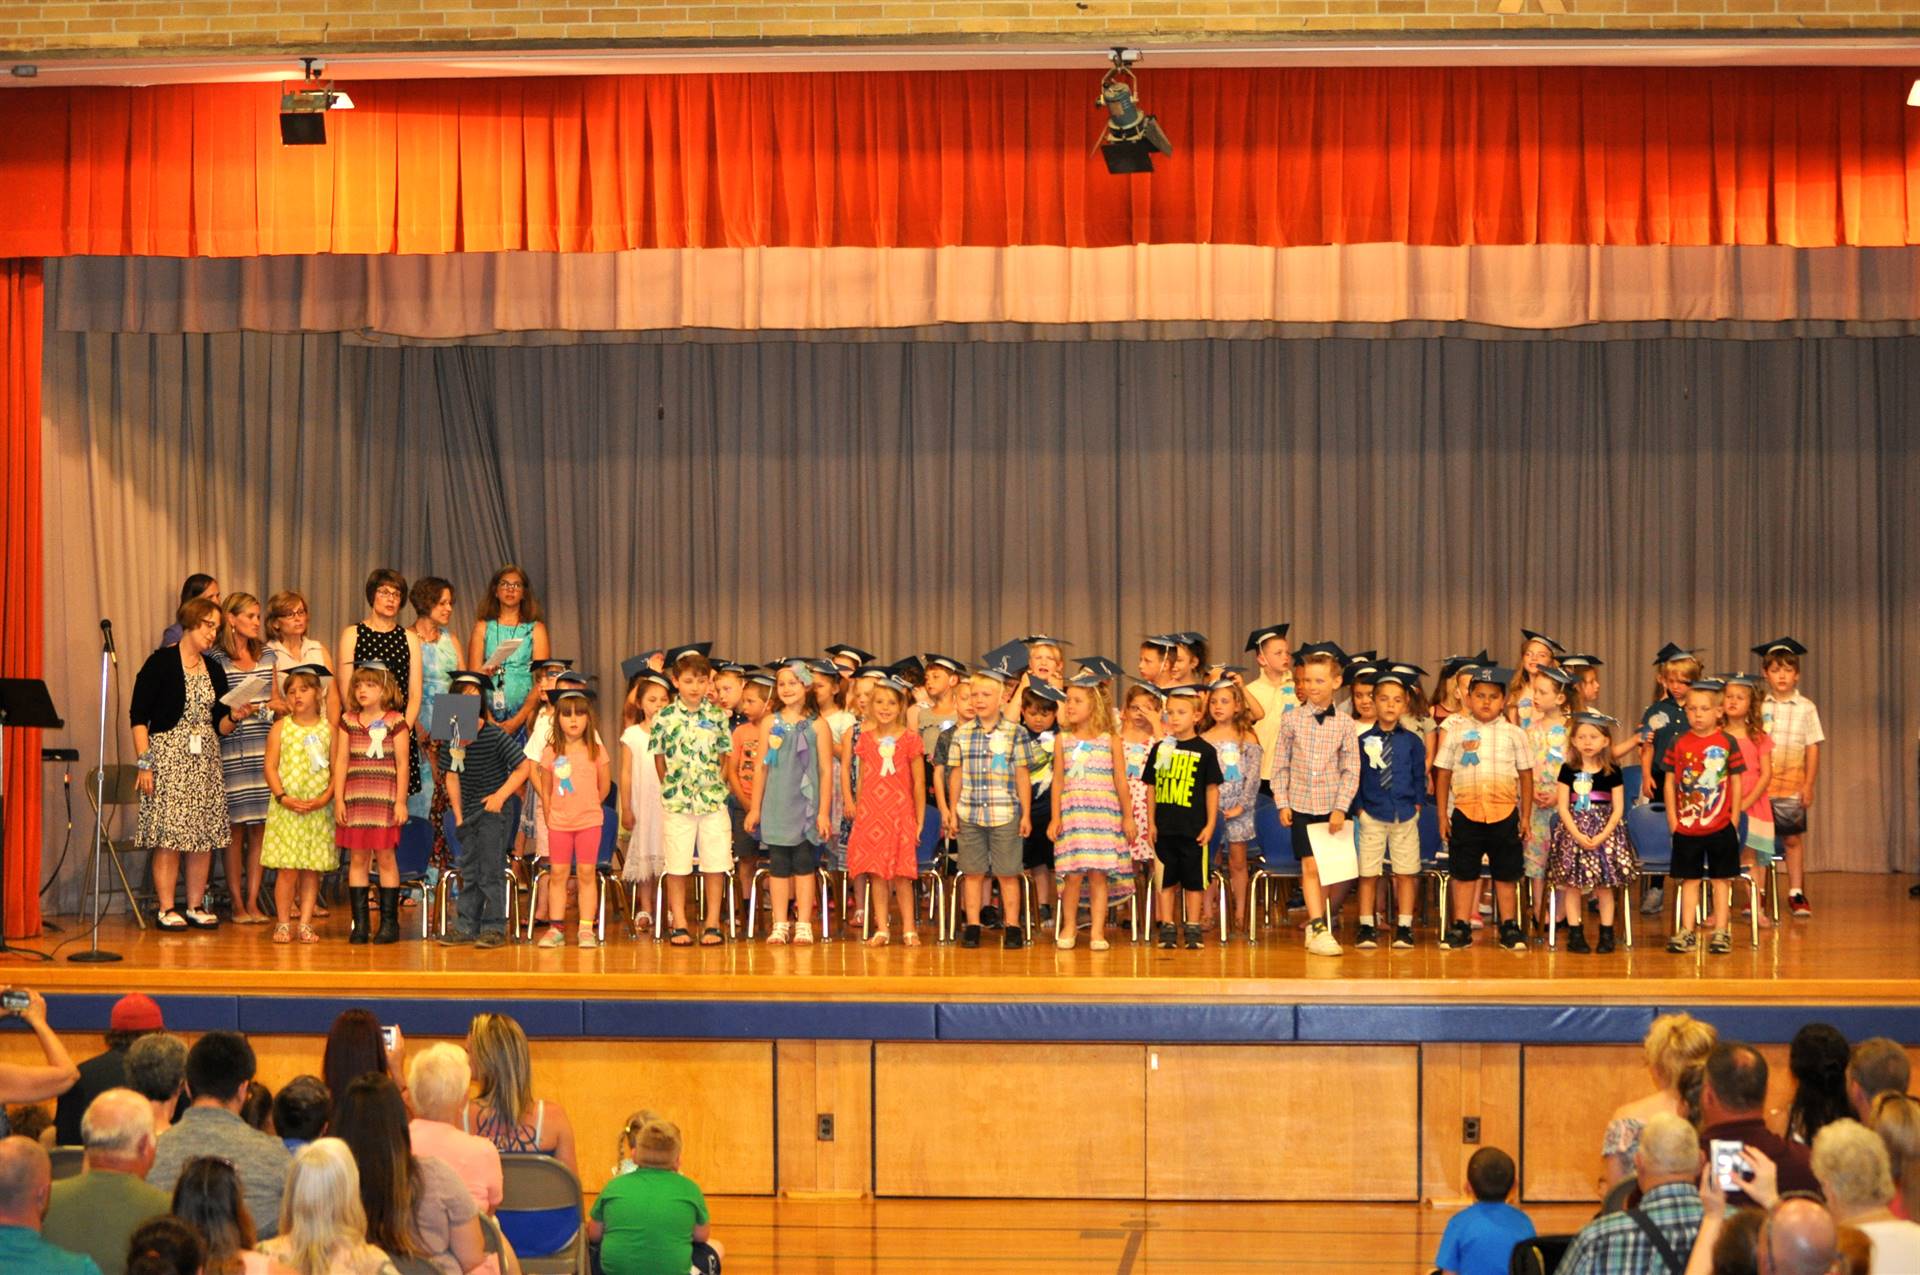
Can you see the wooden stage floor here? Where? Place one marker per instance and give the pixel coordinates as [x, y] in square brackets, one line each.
[1862, 947]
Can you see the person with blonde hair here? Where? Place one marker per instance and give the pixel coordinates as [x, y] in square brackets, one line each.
[437, 1079]
[505, 1112]
[1672, 1044]
[323, 1228]
[1896, 1118]
[654, 1221]
[1856, 1175]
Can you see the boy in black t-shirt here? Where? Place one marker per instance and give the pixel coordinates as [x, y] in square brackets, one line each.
[1183, 794]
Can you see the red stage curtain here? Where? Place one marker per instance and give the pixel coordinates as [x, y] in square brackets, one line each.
[1811, 157]
[21, 634]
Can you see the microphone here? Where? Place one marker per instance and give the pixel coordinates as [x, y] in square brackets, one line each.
[106, 635]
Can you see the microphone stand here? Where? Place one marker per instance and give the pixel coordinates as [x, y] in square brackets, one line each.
[93, 954]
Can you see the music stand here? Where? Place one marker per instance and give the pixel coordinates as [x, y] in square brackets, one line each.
[24, 705]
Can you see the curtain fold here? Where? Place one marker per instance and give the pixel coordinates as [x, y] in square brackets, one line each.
[1803, 156]
[22, 633]
[465, 296]
[1416, 496]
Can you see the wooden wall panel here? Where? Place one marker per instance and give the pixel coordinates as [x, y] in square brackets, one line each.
[1011, 1120]
[1569, 1092]
[817, 1078]
[1282, 1122]
[1458, 1081]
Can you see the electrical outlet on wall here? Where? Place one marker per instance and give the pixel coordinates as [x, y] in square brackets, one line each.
[824, 1127]
[1470, 1130]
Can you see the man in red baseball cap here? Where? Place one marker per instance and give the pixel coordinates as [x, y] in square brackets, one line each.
[134, 1015]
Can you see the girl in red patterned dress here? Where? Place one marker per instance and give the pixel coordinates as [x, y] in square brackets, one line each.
[370, 804]
[888, 810]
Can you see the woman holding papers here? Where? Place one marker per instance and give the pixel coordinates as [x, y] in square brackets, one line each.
[178, 720]
[242, 655]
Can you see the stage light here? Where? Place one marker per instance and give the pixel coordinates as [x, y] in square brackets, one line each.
[1913, 94]
[1131, 136]
[304, 107]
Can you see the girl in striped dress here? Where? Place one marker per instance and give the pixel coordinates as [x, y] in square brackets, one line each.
[1093, 809]
[370, 803]
[243, 654]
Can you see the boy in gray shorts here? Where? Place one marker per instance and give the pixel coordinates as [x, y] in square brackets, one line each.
[991, 796]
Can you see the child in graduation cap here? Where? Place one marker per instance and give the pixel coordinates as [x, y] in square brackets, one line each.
[887, 809]
[1393, 787]
[991, 794]
[1316, 775]
[298, 844]
[482, 776]
[1705, 775]
[1483, 779]
[690, 740]
[1794, 723]
[641, 810]
[1746, 722]
[370, 801]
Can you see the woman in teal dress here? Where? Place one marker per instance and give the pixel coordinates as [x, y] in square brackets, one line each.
[510, 611]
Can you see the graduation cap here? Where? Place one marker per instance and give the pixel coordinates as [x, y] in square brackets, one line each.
[568, 677]
[1301, 654]
[313, 670]
[1047, 691]
[729, 666]
[459, 677]
[1162, 641]
[902, 667]
[674, 654]
[1363, 657]
[1360, 673]
[1183, 692]
[1453, 664]
[377, 665]
[847, 650]
[998, 673]
[1189, 638]
[659, 679]
[572, 691]
[1747, 680]
[1221, 684]
[1533, 635]
[1558, 676]
[1487, 673]
[1009, 658]
[760, 677]
[1407, 675]
[634, 665]
[1101, 667]
[1087, 679]
[1595, 719]
[946, 662]
[1710, 684]
[551, 662]
[1581, 660]
[1260, 637]
[1673, 651]
[1780, 646]
[1224, 669]
[1043, 639]
[866, 671]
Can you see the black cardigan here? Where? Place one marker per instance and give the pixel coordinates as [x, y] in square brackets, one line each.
[160, 691]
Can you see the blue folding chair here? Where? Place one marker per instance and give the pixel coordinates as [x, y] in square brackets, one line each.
[1433, 861]
[413, 855]
[609, 837]
[927, 869]
[1652, 843]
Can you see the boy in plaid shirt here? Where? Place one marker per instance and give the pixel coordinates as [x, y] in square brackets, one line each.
[1316, 775]
[990, 792]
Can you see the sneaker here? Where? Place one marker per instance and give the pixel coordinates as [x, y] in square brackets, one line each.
[1065, 941]
[1014, 940]
[552, 938]
[1512, 937]
[1798, 905]
[454, 938]
[1681, 942]
[1046, 916]
[1653, 901]
[1193, 937]
[1605, 944]
[990, 917]
[970, 936]
[1320, 941]
[1366, 938]
[492, 938]
[1577, 940]
[1459, 935]
[1403, 937]
[1721, 943]
[587, 938]
[1169, 937]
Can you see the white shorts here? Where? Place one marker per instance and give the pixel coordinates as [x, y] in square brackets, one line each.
[1397, 843]
[710, 834]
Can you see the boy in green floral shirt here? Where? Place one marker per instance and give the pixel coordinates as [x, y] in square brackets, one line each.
[690, 740]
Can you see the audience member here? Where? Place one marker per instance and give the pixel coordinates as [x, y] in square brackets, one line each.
[1818, 1061]
[35, 1082]
[257, 1107]
[1799, 1237]
[157, 1071]
[1851, 1163]
[654, 1220]
[415, 1206]
[356, 1045]
[505, 1112]
[1853, 1255]
[218, 1068]
[1733, 1109]
[166, 1246]
[438, 1078]
[323, 1227]
[1896, 1118]
[1671, 1043]
[1654, 1236]
[26, 1178]
[1878, 1065]
[208, 1198]
[32, 1120]
[1479, 1239]
[301, 1110]
[97, 1211]
[133, 1016]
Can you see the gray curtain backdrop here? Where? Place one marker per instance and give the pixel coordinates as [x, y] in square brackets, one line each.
[1417, 496]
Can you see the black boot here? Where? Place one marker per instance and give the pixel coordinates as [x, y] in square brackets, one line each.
[357, 901]
[1605, 944]
[1577, 939]
[389, 915]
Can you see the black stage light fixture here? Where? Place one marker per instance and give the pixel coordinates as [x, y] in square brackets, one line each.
[304, 106]
[1131, 136]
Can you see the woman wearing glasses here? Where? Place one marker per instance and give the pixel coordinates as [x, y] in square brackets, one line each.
[510, 611]
[381, 637]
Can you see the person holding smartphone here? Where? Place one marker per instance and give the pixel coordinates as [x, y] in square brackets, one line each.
[33, 1082]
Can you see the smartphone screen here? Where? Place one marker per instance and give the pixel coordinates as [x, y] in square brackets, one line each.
[387, 1035]
[1729, 1166]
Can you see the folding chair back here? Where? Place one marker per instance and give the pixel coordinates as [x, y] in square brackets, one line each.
[540, 1213]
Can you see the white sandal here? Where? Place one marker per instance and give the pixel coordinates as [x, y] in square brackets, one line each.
[802, 934]
[780, 933]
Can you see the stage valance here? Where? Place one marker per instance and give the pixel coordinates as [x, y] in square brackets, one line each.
[1029, 291]
[1811, 157]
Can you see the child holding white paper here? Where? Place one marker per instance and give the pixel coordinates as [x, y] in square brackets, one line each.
[1316, 776]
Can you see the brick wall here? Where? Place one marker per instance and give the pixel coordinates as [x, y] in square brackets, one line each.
[65, 25]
